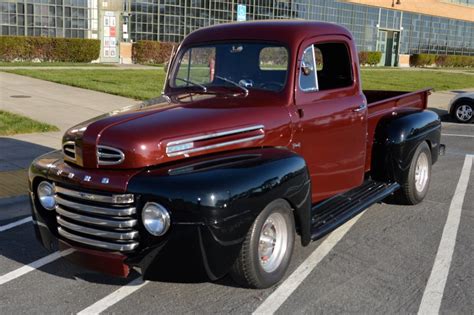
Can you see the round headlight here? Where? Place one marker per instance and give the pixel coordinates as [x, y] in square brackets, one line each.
[156, 219]
[46, 195]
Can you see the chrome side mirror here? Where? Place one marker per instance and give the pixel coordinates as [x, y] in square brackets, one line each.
[307, 69]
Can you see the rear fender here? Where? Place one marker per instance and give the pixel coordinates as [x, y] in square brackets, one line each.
[396, 139]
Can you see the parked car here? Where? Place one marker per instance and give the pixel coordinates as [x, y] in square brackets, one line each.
[461, 107]
[263, 132]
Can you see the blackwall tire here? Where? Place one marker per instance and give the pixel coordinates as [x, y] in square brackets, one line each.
[267, 249]
[417, 179]
[463, 111]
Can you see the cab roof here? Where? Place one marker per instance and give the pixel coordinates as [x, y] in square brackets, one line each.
[291, 32]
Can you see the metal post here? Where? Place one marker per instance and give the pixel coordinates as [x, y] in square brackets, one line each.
[232, 17]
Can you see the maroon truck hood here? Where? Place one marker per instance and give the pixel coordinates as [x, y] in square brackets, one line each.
[144, 131]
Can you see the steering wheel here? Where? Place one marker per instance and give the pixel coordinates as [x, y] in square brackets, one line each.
[268, 85]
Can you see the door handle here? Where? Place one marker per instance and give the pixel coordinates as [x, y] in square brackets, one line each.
[360, 108]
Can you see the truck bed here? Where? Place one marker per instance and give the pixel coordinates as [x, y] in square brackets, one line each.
[382, 103]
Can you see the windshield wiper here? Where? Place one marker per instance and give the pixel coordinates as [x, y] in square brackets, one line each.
[246, 91]
[193, 83]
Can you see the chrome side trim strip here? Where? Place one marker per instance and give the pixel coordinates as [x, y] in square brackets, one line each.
[96, 221]
[213, 146]
[114, 199]
[98, 233]
[94, 209]
[214, 135]
[96, 243]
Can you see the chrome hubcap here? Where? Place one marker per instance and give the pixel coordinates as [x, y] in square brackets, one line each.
[421, 172]
[273, 242]
[464, 112]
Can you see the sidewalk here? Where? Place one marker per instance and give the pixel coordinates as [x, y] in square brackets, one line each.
[56, 104]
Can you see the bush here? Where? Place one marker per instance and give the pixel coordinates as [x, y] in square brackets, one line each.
[30, 48]
[422, 60]
[147, 51]
[371, 58]
[454, 61]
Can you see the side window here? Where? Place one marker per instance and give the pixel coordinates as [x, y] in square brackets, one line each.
[333, 66]
[308, 80]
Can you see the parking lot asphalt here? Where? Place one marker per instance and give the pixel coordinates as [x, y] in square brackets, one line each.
[381, 262]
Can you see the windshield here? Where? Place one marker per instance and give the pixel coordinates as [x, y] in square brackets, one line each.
[244, 66]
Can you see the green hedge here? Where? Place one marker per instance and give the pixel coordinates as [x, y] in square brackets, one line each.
[371, 58]
[30, 48]
[454, 61]
[152, 52]
[422, 60]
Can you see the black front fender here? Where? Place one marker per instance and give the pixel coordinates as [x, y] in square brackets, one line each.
[217, 198]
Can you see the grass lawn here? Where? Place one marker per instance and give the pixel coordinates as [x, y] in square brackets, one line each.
[11, 124]
[137, 84]
[411, 80]
[52, 64]
[144, 84]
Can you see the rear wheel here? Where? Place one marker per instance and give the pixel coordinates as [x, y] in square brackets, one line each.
[463, 111]
[417, 179]
[267, 249]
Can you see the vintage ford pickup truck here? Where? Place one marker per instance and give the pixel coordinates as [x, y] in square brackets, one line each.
[262, 133]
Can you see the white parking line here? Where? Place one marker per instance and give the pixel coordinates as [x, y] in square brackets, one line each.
[281, 294]
[431, 301]
[448, 124]
[16, 223]
[33, 266]
[457, 135]
[114, 297]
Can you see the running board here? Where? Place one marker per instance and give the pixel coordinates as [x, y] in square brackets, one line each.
[331, 213]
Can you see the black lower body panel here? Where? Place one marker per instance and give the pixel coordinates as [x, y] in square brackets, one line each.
[331, 213]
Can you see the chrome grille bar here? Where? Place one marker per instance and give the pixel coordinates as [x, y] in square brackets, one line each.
[115, 199]
[96, 209]
[98, 233]
[120, 224]
[97, 220]
[109, 156]
[95, 243]
[69, 150]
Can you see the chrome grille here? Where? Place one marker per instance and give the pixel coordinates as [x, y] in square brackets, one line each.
[69, 150]
[109, 156]
[97, 220]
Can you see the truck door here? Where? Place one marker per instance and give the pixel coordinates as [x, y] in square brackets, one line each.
[332, 128]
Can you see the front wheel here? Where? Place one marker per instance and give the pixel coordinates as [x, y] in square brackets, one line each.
[266, 252]
[417, 178]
